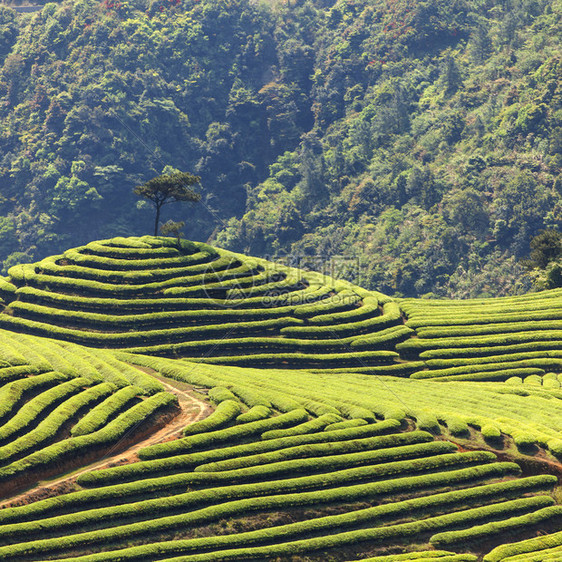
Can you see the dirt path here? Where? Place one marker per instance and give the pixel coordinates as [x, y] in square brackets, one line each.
[192, 409]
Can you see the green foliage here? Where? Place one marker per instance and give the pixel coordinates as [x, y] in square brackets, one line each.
[433, 555]
[524, 550]
[456, 425]
[98, 416]
[491, 432]
[225, 412]
[325, 448]
[168, 188]
[399, 97]
[316, 424]
[274, 534]
[149, 468]
[185, 296]
[426, 137]
[219, 394]
[336, 453]
[221, 435]
[357, 422]
[12, 392]
[550, 514]
[545, 247]
[50, 425]
[255, 413]
[36, 407]
[173, 227]
[9, 30]
[51, 456]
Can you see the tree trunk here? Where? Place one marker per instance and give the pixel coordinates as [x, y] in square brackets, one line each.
[157, 220]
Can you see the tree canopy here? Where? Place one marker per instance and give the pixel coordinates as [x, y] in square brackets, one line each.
[545, 248]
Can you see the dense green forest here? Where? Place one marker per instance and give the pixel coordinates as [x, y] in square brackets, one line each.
[421, 138]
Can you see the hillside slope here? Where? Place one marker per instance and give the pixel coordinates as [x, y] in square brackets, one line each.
[148, 296]
[311, 451]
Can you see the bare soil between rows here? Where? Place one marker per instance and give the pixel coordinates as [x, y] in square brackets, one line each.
[164, 426]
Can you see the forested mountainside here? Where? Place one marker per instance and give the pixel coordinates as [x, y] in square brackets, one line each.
[423, 139]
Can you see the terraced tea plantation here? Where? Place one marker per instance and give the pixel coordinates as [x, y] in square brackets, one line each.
[203, 303]
[184, 403]
[510, 338]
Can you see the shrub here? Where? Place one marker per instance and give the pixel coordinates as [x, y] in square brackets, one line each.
[212, 438]
[220, 394]
[427, 421]
[224, 413]
[555, 447]
[356, 422]
[11, 393]
[316, 424]
[274, 534]
[391, 315]
[50, 425]
[369, 308]
[389, 449]
[490, 431]
[502, 528]
[525, 548]
[147, 468]
[255, 413]
[524, 439]
[456, 425]
[98, 416]
[35, 408]
[110, 434]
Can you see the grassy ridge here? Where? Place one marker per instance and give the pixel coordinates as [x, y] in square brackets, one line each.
[515, 410]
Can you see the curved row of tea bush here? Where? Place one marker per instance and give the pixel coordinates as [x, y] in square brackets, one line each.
[534, 505]
[547, 547]
[498, 335]
[48, 427]
[66, 403]
[72, 448]
[12, 393]
[318, 468]
[311, 300]
[228, 435]
[420, 556]
[45, 354]
[149, 295]
[338, 466]
[101, 414]
[111, 497]
[528, 414]
[33, 409]
[239, 502]
[329, 526]
[225, 412]
[179, 463]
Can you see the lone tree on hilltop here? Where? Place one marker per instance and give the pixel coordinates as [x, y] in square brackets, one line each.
[168, 188]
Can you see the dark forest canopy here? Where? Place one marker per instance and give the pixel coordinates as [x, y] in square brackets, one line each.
[422, 138]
